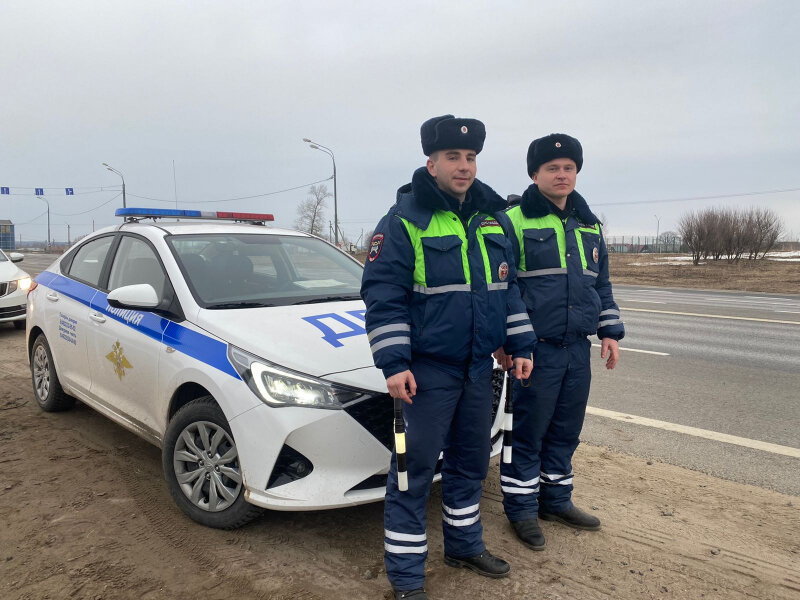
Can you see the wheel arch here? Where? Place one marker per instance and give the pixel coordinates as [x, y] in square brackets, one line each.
[184, 394]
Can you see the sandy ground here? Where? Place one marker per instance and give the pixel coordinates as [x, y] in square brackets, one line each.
[84, 513]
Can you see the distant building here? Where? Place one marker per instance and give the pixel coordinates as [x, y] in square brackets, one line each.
[7, 235]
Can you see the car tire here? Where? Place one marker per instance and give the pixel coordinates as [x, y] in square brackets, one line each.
[19, 324]
[46, 387]
[202, 469]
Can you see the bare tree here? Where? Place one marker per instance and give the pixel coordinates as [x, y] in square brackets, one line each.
[310, 215]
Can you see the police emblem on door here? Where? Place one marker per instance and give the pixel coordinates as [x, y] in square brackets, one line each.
[502, 271]
[595, 254]
[117, 358]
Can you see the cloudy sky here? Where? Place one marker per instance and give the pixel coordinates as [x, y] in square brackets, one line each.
[673, 102]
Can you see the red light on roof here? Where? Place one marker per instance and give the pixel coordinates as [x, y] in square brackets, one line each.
[243, 216]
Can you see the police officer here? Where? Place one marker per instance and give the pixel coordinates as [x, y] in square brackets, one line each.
[562, 269]
[441, 296]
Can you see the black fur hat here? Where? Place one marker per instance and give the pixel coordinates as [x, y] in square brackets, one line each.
[450, 133]
[550, 147]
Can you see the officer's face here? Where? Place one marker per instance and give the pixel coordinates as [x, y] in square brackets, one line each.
[556, 179]
[453, 170]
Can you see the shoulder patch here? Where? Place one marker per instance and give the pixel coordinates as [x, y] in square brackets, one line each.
[375, 246]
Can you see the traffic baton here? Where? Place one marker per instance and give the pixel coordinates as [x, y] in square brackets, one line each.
[400, 445]
[508, 421]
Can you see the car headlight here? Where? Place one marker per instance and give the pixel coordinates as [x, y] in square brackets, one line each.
[22, 284]
[278, 386]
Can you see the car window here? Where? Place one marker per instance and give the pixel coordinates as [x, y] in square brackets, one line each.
[136, 262]
[264, 269]
[2, 256]
[88, 262]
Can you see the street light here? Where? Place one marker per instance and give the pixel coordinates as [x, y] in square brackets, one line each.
[113, 170]
[329, 152]
[48, 220]
[658, 227]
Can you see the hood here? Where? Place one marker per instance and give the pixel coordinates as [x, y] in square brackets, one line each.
[323, 340]
[9, 271]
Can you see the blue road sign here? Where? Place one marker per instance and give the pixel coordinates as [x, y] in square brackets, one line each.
[40, 191]
[4, 190]
[70, 191]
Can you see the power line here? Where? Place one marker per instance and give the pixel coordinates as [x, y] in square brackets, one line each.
[234, 199]
[32, 220]
[90, 210]
[740, 195]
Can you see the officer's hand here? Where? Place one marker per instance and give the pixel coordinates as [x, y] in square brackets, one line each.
[612, 348]
[503, 359]
[523, 367]
[402, 385]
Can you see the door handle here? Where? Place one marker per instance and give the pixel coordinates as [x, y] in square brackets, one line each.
[53, 297]
[97, 318]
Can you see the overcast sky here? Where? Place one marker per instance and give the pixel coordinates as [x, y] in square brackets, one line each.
[671, 100]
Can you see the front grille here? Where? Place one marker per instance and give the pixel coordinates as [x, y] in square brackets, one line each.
[12, 311]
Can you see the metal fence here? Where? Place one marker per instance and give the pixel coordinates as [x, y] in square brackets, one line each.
[638, 244]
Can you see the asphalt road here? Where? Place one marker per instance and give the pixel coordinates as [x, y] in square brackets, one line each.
[722, 362]
[719, 362]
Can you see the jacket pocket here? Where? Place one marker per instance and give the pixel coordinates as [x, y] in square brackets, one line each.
[443, 262]
[541, 249]
[498, 251]
[591, 251]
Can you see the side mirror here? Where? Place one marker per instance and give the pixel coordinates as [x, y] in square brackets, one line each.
[16, 256]
[141, 296]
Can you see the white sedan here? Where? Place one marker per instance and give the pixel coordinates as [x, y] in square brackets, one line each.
[239, 349]
[14, 284]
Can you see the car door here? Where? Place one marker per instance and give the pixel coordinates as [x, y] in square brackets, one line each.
[66, 316]
[127, 343]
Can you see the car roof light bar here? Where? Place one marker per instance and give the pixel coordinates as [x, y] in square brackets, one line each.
[135, 214]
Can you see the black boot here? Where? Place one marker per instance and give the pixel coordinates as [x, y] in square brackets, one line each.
[572, 517]
[484, 563]
[530, 533]
[418, 594]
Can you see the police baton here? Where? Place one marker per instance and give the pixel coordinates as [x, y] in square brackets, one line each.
[400, 445]
[508, 420]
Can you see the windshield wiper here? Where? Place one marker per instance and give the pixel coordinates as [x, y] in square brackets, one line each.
[328, 299]
[224, 305]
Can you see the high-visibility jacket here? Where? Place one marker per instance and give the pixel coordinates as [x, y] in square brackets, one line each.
[438, 289]
[562, 269]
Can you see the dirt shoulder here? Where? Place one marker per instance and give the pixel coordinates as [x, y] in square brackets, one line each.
[769, 276]
[84, 513]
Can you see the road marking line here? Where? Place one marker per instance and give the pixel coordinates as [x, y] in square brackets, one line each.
[688, 314]
[702, 433]
[794, 312]
[636, 350]
[647, 301]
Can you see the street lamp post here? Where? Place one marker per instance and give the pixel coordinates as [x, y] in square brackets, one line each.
[658, 228]
[48, 220]
[329, 152]
[113, 170]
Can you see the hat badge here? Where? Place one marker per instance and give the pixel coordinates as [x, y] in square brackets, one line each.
[558, 144]
[464, 129]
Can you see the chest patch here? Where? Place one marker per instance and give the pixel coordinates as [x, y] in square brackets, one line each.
[490, 223]
[595, 254]
[375, 246]
[502, 271]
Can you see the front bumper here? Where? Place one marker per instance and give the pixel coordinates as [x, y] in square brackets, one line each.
[13, 305]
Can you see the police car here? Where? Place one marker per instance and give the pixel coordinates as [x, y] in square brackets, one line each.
[14, 284]
[239, 349]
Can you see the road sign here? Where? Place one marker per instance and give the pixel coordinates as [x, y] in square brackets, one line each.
[40, 191]
[4, 190]
[70, 191]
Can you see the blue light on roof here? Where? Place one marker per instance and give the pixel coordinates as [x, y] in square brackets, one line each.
[157, 212]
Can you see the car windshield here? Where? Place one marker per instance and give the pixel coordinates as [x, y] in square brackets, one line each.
[230, 271]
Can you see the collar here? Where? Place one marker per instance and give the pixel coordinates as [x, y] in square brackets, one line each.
[417, 201]
[534, 205]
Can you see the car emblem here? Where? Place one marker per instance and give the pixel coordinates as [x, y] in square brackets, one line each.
[502, 271]
[375, 246]
[117, 358]
[464, 129]
[595, 254]
[558, 144]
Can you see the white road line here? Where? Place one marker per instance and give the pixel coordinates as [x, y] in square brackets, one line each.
[687, 314]
[636, 350]
[647, 301]
[702, 433]
[794, 312]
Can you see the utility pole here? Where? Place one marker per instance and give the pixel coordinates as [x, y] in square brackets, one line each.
[48, 221]
[113, 170]
[68, 237]
[658, 228]
[329, 152]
